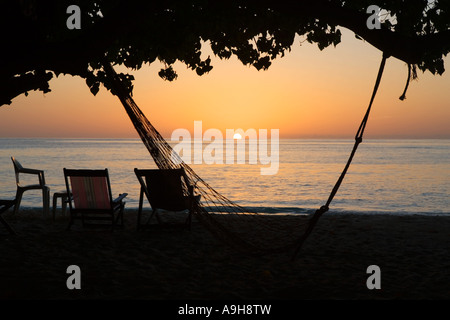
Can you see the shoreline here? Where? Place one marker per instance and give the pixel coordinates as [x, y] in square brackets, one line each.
[281, 211]
[162, 264]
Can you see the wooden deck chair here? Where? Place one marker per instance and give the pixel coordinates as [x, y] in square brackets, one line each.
[4, 206]
[168, 190]
[22, 188]
[91, 198]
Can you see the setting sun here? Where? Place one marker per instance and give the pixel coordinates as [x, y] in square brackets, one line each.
[237, 136]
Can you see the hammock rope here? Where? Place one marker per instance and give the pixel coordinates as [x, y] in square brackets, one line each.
[216, 212]
[358, 140]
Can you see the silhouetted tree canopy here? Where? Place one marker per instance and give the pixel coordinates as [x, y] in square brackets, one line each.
[36, 43]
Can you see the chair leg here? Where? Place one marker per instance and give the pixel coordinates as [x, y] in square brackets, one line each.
[158, 218]
[55, 198]
[46, 200]
[64, 205]
[138, 222]
[193, 204]
[189, 221]
[113, 221]
[122, 208]
[141, 199]
[18, 200]
[71, 218]
[119, 218]
[154, 213]
[7, 226]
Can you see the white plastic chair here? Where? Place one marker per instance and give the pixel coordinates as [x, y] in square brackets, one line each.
[21, 189]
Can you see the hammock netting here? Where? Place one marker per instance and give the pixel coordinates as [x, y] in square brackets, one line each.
[231, 223]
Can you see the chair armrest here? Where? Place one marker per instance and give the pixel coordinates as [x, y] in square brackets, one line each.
[194, 197]
[40, 174]
[120, 197]
[32, 171]
[191, 187]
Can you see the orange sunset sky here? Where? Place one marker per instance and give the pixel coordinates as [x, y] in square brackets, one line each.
[306, 94]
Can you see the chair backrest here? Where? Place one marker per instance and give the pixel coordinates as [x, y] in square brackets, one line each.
[164, 188]
[90, 189]
[17, 168]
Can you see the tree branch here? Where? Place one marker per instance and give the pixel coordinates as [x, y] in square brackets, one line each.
[30, 50]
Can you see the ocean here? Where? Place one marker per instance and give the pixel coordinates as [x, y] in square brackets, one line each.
[386, 176]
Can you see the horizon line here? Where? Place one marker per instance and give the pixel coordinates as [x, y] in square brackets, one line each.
[281, 138]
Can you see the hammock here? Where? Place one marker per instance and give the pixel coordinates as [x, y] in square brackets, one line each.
[231, 223]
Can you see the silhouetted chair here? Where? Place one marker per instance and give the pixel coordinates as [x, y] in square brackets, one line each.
[4, 206]
[91, 198]
[168, 190]
[64, 201]
[21, 188]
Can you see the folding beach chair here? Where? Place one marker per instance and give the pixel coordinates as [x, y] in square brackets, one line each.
[166, 190]
[19, 169]
[91, 198]
[4, 206]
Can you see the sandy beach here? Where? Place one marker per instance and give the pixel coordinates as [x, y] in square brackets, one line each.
[412, 252]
